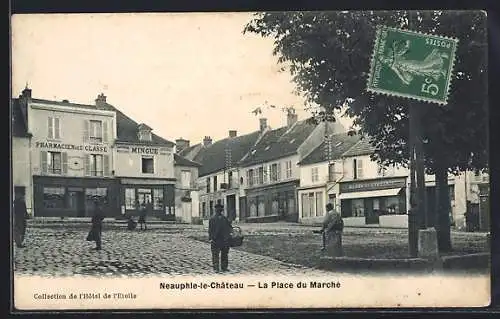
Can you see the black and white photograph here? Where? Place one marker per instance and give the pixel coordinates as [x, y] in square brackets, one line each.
[250, 160]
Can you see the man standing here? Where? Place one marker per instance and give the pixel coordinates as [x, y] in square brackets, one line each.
[333, 226]
[95, 233]
[20, 219]
[219, 230]
[143, 212]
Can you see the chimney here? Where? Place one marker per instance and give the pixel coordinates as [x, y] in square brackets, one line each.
[263, 124]
[232, 133]
[291, 118]
[100, 101]
[181, 144]
[207, 140]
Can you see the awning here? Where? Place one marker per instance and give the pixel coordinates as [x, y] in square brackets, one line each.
[377, 193]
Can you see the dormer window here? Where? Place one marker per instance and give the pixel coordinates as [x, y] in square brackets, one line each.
[144, 133]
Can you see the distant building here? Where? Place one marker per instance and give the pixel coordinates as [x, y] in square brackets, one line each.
[186, 189]
[269, 171]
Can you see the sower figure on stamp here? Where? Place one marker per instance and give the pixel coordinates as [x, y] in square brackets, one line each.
[20, 217]
[333, 226]
[219, 232]
[96, 228]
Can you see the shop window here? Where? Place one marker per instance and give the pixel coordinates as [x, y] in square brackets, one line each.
[288, 172]
[261, 208]
[54, 129]
[96, 165]
[97, 194]
[130, 198]
[275, 204]
[291, 203]
[53, 197]
[319, 204]
[158, 199]
[358, 207]
[392, 206]
[148, 165]
[305, 204]
[253, 207]
[314, 174]
[54, 162]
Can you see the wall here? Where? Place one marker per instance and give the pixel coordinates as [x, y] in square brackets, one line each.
[128, 161]
[21, 172]
[370, 168]
[72, 126]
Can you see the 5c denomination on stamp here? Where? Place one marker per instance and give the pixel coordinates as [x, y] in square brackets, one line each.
[412, 65]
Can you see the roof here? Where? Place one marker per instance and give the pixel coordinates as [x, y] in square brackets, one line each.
[182, 161]
[126, 128]
[213, 157]
[340, 143]
[19, 127]
[191, 151]
[362, 147]
[278, 143]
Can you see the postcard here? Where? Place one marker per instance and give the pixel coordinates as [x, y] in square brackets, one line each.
[250, 160]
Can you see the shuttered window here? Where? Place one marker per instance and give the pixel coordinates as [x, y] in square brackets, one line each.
[53, 162]
[54, 129]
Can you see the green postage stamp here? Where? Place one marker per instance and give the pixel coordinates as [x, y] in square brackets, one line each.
[412, 65]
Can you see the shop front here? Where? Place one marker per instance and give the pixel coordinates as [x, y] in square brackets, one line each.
[377, 202]
[272, 203]
[74, 197]
[135, 193]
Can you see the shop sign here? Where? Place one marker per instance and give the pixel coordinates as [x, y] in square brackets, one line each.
[73, 147]
[360, 186]
[144, 150]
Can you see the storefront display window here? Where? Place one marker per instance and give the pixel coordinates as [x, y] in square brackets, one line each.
[319, 204]
[53, 197]
[261, 210]
[99, 194]
[358, 207]
[253, 208]
[143, 196]
[275, 204]
[392, 206]
[158, 199]
[130, 198]
[305, 205]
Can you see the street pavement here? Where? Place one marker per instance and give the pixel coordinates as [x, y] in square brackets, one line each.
[64, 251]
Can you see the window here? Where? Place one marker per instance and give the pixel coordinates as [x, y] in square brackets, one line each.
[230, 179]
[250, 177]
[275, 204]
[143, 197]
[319, 204]
[158, 199]
[96, 194]
[261, 175]
[358, 168]
[129, 198]
[53, 197]
[392, 205]
[314, 174]
[261, 208]
[274, 173]
[358, 207]
[288, 169]
[54, 162]
[95, 133]
[96, 165]
[332, 174]
[148, 165]
[145, 135]
[54, 130]
[253, 207]
[208, 184]
[186, 179]
[266, 174]
[215, 183]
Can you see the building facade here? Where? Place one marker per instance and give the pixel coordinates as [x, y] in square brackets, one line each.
[186, 190]
[81, 153]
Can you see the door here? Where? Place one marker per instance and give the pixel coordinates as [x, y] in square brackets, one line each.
[143, 197]
[231, 207]
[186, 211]
[80, 204]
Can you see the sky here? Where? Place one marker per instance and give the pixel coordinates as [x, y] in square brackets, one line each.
[186, 75]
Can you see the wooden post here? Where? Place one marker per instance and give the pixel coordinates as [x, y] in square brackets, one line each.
[413, 211]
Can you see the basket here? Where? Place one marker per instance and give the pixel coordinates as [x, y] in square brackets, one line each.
[236, 238]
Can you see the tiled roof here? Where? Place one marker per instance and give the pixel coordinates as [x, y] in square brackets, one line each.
[213, 157]
[363, 147]
[182, 161]
[340, 143]
[191, 151]
[278, 143]
[19, 128]
[126, 128]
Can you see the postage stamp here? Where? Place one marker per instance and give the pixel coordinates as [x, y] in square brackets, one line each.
[412, 65]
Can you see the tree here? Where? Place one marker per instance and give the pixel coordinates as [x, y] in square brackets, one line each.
[329, 54]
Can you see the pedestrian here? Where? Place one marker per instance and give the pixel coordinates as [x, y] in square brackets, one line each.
[131, 223]
[219, 232]
[142, 214]
[95, 233]
[20, 219]
[332, 229]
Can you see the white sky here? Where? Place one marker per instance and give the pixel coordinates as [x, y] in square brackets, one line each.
[185, 75]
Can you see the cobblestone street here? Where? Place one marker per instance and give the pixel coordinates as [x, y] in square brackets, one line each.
[60, 251]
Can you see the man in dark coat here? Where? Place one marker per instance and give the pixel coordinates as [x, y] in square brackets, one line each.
[20, 217]
[333, 226]
[219, 230]
[144, 211]
[96, 230]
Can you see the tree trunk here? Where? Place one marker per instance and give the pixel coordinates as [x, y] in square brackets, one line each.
[443, 210]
